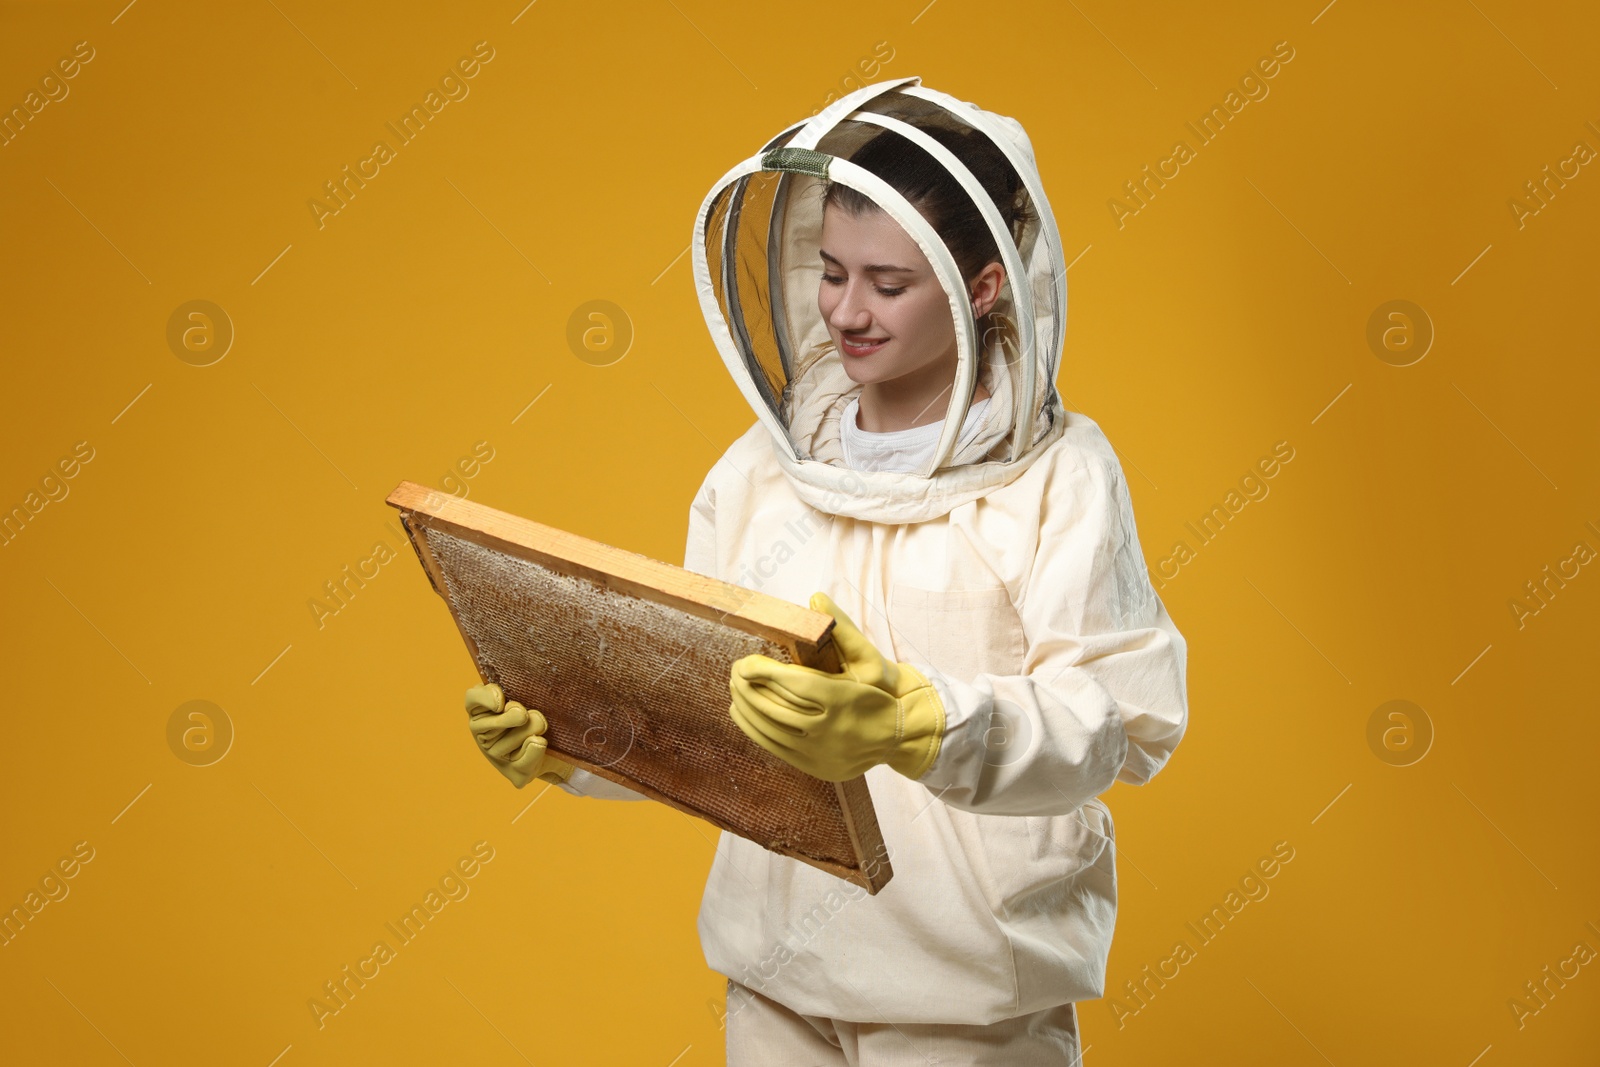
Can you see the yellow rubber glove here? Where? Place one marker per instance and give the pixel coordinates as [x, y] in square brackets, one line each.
[510, 736]
[836, 726]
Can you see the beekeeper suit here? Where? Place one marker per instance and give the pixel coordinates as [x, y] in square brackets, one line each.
[1006, 569]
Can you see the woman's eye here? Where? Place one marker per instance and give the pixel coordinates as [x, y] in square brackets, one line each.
[834, 279]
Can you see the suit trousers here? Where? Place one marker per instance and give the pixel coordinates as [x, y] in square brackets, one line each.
[765, 1033]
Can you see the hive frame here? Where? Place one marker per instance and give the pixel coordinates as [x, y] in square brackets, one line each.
[804, 635]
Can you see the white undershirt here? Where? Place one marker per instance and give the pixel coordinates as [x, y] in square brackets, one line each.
[897, 450]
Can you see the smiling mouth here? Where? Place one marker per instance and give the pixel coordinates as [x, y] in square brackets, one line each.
[864, 342]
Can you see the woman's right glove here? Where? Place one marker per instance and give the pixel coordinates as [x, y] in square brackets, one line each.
[510, 736]
[838, 726]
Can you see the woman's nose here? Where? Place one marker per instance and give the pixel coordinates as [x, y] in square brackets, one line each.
[849, 314]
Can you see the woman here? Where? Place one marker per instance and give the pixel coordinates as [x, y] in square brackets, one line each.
[912, 468]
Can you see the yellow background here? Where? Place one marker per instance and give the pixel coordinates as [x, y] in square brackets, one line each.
[1225, 316]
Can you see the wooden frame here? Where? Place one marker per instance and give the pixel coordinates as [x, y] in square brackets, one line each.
[830, 825]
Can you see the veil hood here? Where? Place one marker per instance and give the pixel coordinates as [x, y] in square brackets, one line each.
[756, 268]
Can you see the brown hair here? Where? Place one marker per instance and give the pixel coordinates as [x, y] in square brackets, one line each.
[936, 194]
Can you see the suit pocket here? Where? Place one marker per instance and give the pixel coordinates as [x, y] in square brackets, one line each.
[1038, 862]
[961, 633]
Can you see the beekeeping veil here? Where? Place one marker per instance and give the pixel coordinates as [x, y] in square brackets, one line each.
[757, 270]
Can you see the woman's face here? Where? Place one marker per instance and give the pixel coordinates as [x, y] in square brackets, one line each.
[878, 288]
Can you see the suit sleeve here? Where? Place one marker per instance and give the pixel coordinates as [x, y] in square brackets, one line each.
[584, 784]
[1102, 695]
[699, 556]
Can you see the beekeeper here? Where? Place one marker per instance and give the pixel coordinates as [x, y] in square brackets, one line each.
[886, 284]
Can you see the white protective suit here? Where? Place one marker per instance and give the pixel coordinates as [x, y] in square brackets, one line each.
[1010, 574]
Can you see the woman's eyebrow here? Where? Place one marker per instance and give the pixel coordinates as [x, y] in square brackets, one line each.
[876, 268]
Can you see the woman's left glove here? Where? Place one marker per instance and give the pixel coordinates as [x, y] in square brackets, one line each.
[512, 737]
[836, 726]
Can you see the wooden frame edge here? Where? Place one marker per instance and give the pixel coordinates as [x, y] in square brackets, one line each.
[750, 610]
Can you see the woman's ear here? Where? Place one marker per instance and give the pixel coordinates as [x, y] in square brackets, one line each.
[986, 288]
